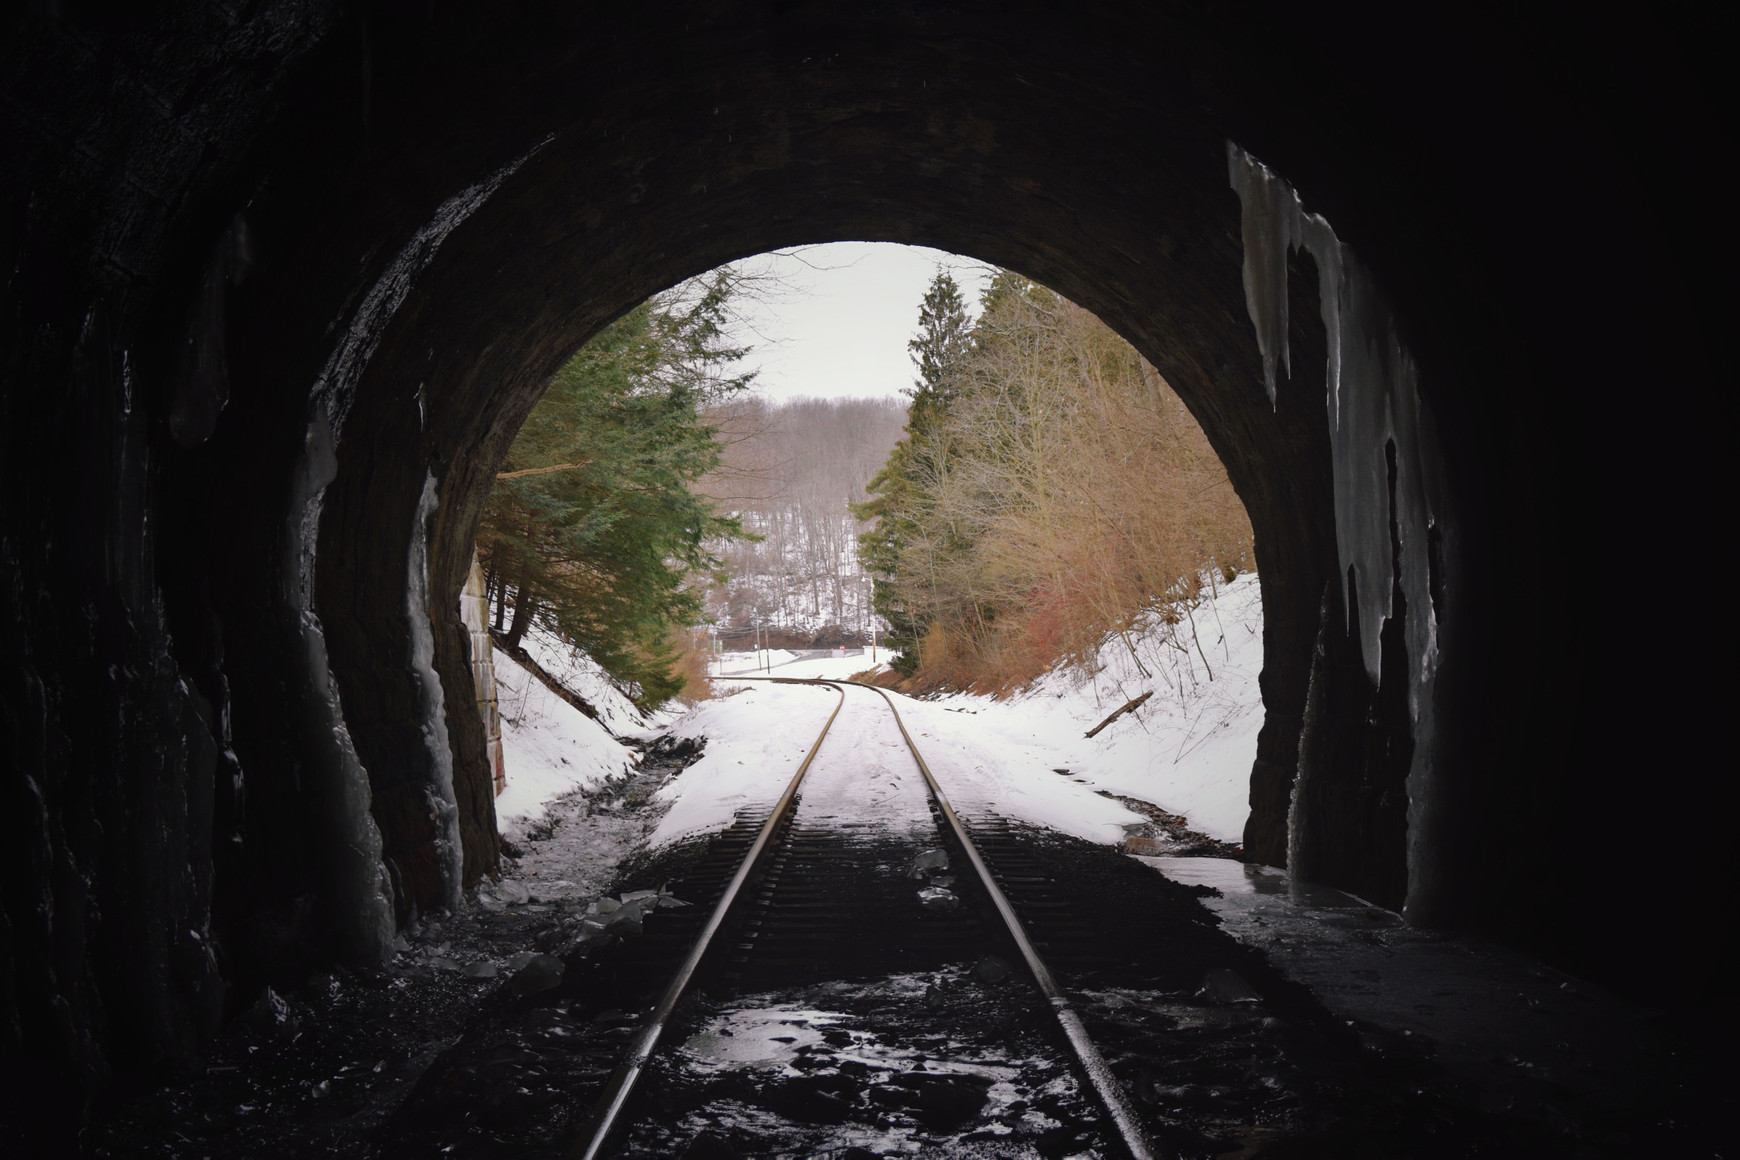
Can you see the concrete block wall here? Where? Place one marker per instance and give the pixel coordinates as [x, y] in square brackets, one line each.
[474, 611]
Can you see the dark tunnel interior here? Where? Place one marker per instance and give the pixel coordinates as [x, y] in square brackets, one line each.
[282, 280]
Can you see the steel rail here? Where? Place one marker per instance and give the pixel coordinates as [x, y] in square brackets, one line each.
[640, 1048]
[1099, 1073]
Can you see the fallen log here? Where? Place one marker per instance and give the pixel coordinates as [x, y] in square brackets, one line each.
[1133, 703]
[518, 653]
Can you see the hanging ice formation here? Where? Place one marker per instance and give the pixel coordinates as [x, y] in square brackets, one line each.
[431, 703]
[1373, 403]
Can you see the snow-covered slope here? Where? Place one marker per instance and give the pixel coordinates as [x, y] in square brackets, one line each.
[581, 675]
[1188, 749]
[548, 746]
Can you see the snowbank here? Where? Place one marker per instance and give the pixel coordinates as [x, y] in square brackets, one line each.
[549, 747]
[1188, 749]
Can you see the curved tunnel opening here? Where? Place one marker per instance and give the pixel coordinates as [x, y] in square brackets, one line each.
[531, 240]
[264, 384]
[1275, 476]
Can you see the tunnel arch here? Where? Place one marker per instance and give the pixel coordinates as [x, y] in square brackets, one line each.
[483, 365]
[283, 288]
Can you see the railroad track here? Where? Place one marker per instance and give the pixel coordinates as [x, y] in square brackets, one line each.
[776, 921]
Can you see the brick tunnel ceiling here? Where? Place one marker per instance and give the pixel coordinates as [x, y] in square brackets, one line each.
[284, 292]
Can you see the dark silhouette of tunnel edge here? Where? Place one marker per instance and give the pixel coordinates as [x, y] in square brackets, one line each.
[255, 380]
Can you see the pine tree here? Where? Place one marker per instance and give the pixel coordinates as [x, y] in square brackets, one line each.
[939, 350]
[593, 524]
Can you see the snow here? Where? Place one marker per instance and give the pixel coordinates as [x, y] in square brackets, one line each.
[1188, 749]
[583, 676]
[998, 766]
[754, 661]
[756, 739]
[549, 747]
[805, 663]
[864, 778]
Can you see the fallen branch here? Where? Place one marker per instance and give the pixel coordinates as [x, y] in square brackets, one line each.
[1133, 703]
[549, 682]
[542, 470]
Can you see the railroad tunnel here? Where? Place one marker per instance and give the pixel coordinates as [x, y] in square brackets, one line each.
[283, 281]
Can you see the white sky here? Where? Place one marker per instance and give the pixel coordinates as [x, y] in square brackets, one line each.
[834, 320]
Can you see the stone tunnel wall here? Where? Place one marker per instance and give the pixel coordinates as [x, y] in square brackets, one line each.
[281, 286]
[474, 613]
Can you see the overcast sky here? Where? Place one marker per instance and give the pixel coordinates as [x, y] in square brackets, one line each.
[834, 320]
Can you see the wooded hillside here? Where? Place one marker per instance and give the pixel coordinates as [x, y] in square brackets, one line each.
[1050, 489]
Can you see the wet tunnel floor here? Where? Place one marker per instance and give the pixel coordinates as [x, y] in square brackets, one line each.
[898, 1030]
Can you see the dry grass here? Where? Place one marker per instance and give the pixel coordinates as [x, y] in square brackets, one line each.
[691, 663]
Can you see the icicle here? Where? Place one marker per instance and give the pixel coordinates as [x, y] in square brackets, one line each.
[1271, 228]
[431, 701]
[1373, 402]
[1373, 399]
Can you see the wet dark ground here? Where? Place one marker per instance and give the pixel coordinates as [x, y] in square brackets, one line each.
[493, 1033]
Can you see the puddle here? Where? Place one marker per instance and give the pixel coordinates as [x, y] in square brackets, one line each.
[767, 1038]
[928, 1063]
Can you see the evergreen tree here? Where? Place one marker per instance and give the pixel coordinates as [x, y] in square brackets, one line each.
[939, 350]
[593, 524]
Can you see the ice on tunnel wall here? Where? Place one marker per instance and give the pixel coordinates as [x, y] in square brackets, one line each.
[1373, 403]
[335, 776]
[339, 780]
[431, 704]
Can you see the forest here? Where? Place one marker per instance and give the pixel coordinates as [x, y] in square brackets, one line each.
[1038, 489]
[1049, 490]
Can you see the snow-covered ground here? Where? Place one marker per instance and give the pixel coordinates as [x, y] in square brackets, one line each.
[752, 661]
[806, 663]
[756, 738]
[1187, 749]
[548, 746]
